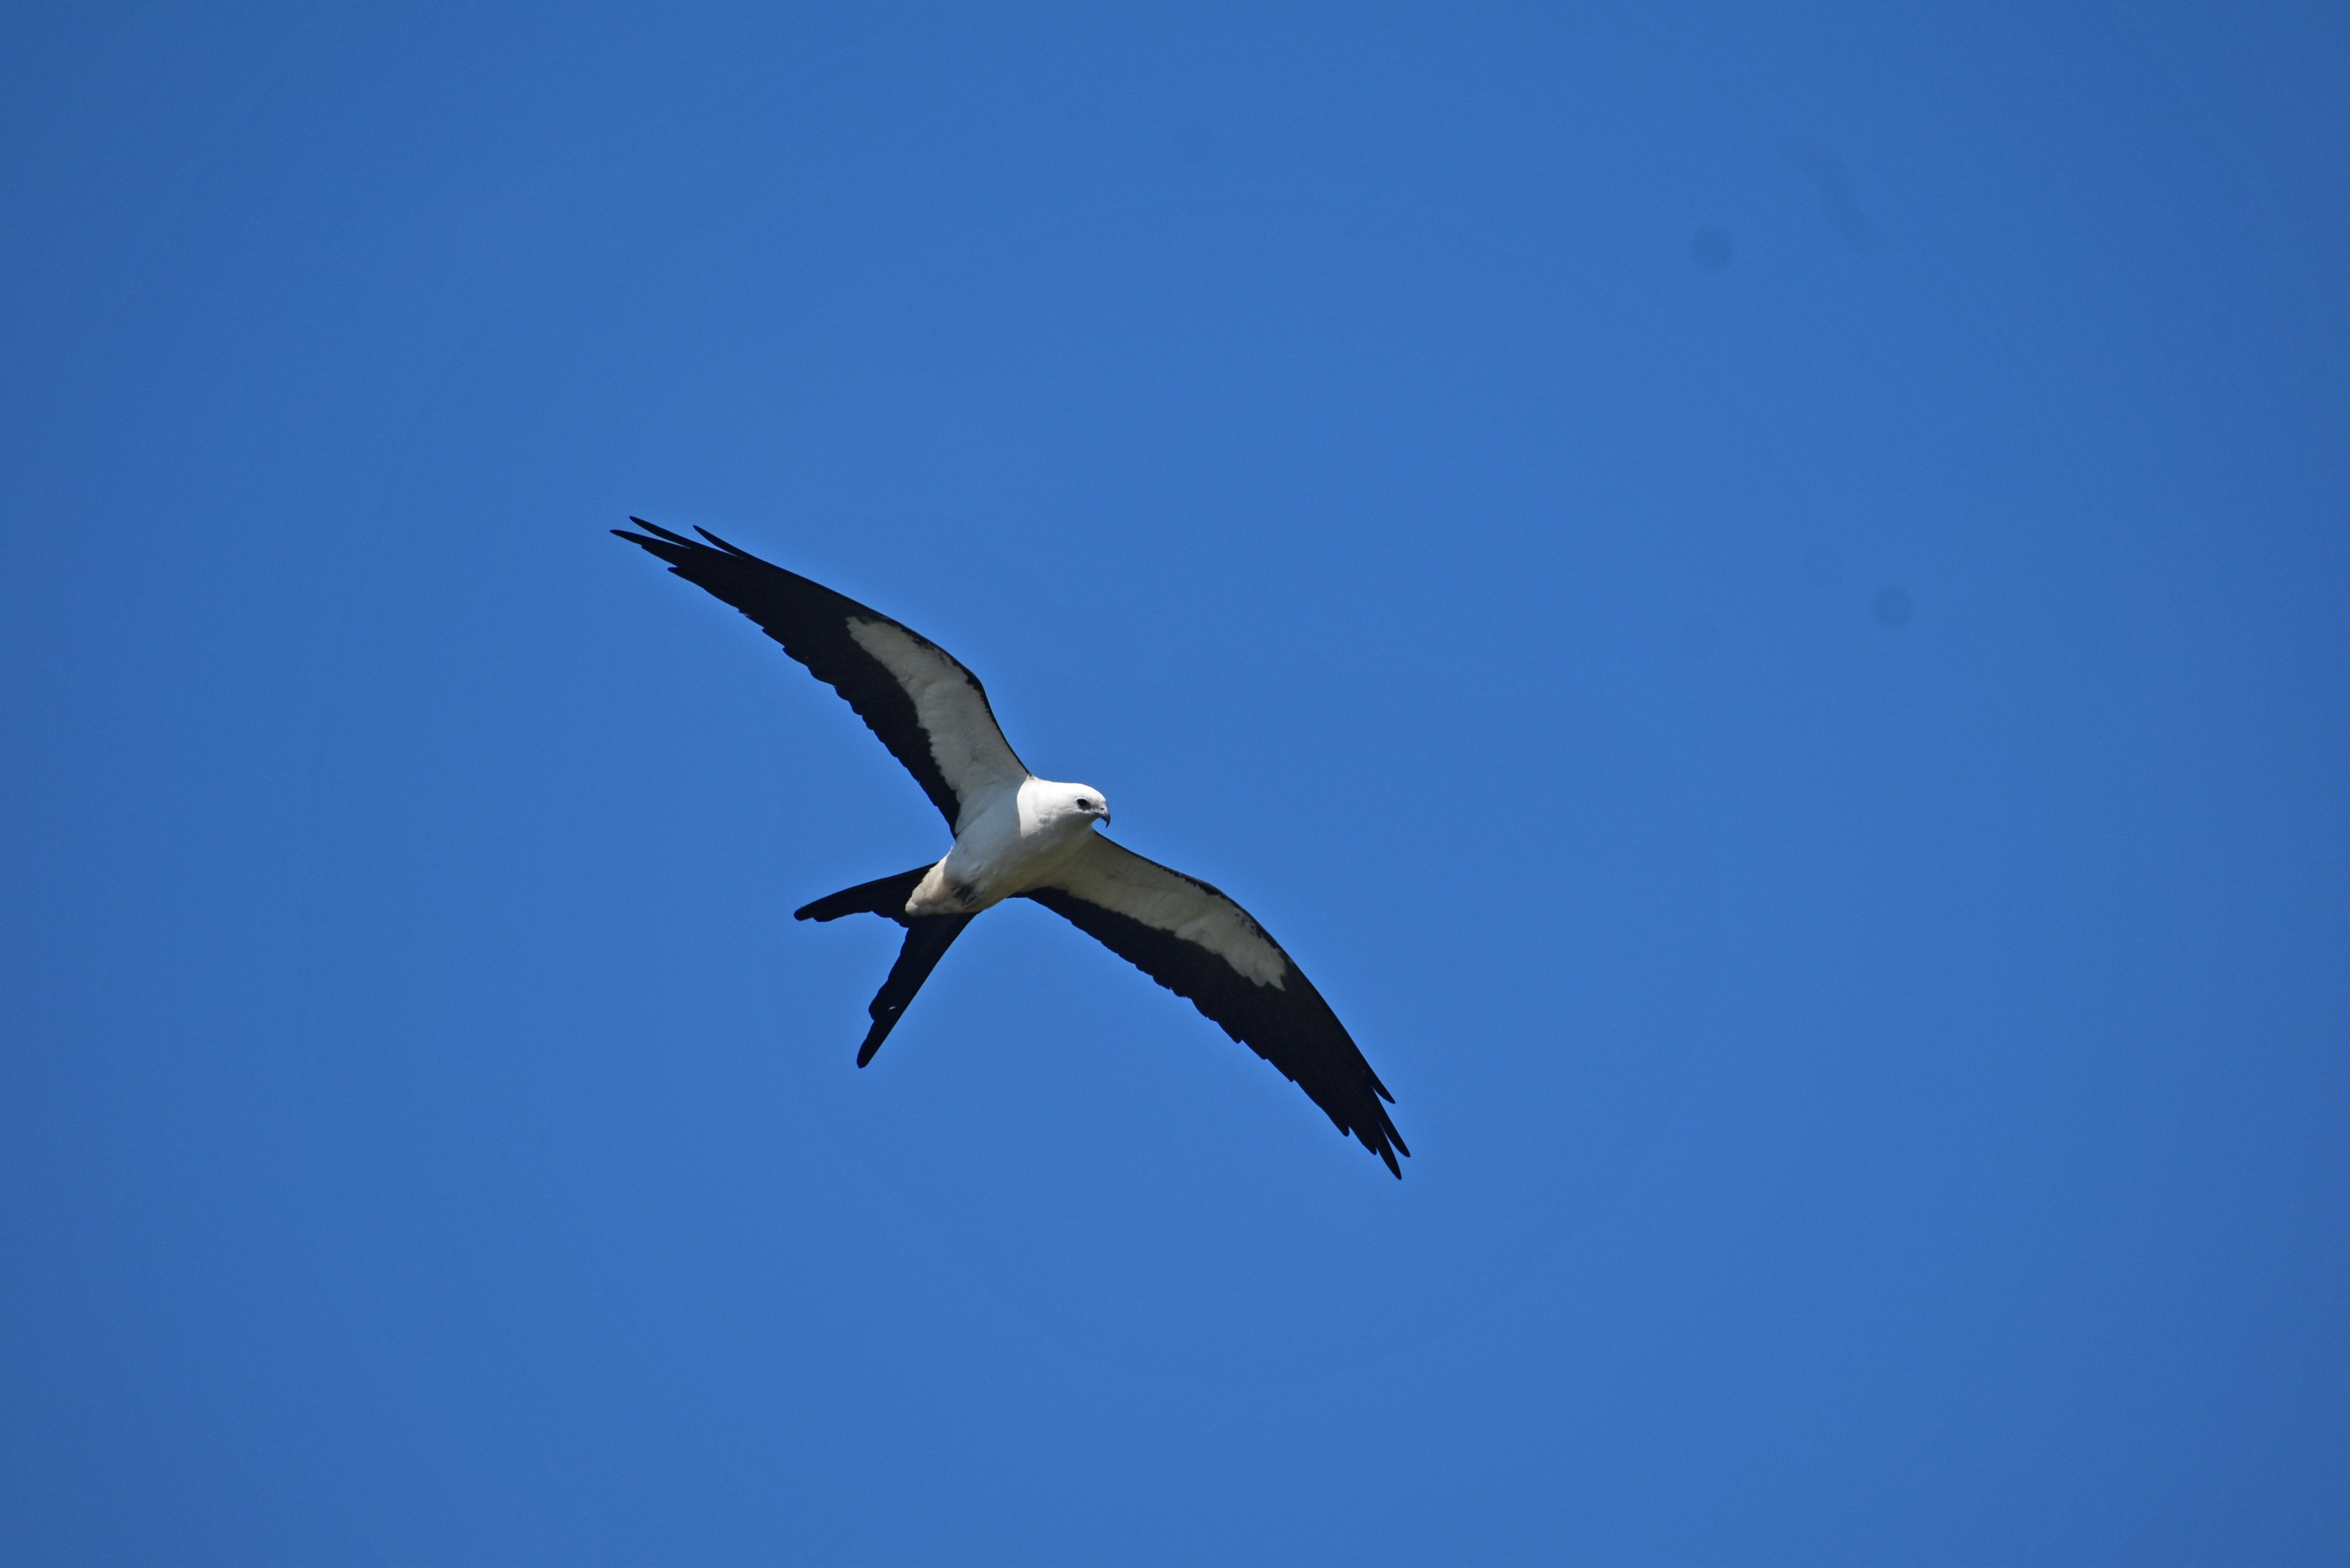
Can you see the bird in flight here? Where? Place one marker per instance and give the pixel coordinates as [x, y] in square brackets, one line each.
[1020, 836]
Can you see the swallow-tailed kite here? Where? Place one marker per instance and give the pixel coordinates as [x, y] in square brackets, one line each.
[1017, 835]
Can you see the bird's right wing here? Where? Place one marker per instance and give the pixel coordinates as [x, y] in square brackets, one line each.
[930, 711]
[1204, 947]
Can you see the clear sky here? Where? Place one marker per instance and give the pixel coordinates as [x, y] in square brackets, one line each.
[1759, 597]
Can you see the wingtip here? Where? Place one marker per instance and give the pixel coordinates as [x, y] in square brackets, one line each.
[656, 528]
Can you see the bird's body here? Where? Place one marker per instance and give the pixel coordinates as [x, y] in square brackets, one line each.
[1017, 839]
[1018, 835]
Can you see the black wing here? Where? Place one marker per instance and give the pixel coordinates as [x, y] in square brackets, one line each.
[930, 711]
[1202, 946]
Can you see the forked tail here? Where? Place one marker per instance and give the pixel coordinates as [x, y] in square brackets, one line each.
[928, 936]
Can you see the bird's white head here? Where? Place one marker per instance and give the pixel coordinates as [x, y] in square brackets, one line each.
[1077, 805]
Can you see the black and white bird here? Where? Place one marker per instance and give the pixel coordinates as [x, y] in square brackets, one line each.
[1017, 835]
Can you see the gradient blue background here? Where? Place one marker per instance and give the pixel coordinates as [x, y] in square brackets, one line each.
[1453, 477]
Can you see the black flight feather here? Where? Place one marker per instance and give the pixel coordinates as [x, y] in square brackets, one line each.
[1289, 1026]
[812, 623]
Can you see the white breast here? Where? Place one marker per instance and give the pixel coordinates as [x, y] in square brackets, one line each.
[1017, 842]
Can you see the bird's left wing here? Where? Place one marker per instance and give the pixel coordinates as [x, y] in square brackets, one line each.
[930, 711]
[1204, 947]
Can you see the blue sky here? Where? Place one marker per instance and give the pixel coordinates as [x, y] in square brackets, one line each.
[1758, 597]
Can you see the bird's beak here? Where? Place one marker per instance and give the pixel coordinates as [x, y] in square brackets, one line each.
[1105, 816]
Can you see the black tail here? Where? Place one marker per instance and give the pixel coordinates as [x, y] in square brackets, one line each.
[885, 897]
[928, 936]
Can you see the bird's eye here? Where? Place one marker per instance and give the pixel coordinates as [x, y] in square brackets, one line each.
[1088, 806]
